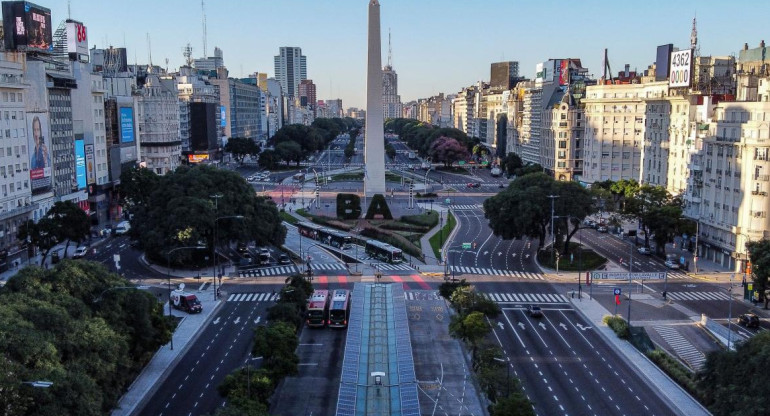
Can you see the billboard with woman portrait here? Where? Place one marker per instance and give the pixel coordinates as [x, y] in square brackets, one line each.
[39, 150]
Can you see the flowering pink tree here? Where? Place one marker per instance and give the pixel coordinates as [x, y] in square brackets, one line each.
[447, 151]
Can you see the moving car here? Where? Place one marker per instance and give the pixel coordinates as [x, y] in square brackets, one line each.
[601, 229]
[474, 185]
[644, 250]
[749, 320]
[80, 252]
[671, 264]
[284, 259]
[534, 311]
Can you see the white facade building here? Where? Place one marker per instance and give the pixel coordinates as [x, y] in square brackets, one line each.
[157, 116]
[290, 69]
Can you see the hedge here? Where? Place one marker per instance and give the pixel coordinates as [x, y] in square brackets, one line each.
[429, 220]
[618, 325]
[681, 374]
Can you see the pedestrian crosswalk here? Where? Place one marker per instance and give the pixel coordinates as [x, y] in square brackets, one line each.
[497, 272]
[459, 207]
[526, 297]
[254, 297]
[342, 266]
[421, 295]
[683, 348]
[699, 295]
[269, 271]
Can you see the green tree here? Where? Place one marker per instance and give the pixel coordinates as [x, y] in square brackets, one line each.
[735, 382]
[71, 221]
[515, 404]
[269, 159]
[136, 185]
[470, 328]
[448, 151]
[527, 169]
[511, 162]
[390, 151]
[240, 147]
[289, 151]
[308, 138]
[247, 384]
[659, 214]
[329, 128]
[522, 209]
[759, 253]
[181, 212]
[286, 312]
[43, 235]
[276, 343]
[572, 206]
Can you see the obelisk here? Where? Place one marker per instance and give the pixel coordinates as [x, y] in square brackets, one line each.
[374, 139]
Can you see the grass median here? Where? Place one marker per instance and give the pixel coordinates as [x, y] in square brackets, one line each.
[440, 237]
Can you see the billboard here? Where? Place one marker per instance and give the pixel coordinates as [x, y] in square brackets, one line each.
[223, 116]
[197, 158]
[681, 69]
[27, 27]
[90, 172]
[77, 41]
[564, 72]
[40, 156]
[80, 163]
[540, 72]
[126, 116]
[662, 61]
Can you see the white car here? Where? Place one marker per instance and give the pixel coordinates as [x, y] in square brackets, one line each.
[671, 264]
[80, 252]
[644, 250]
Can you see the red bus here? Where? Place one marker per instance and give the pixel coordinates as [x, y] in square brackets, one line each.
[318, 308]
[339, 312]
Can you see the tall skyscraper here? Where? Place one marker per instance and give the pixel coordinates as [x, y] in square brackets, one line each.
[290, 69]
[307, 95]
[503, 75]
[391, 101]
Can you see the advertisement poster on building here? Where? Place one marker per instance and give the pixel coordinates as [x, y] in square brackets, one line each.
[30, 26]
[126, 124]
[40, 154]
[90, 172]
[80, 163]
[564, 72]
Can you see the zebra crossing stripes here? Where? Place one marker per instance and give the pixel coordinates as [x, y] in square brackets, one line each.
[421, 295]
[253, 297]
[269, 271]
[465, 207]
[683, 348]
[387, 266]
[327, 266]
[497, 272]
[526, 297]
[699, 295]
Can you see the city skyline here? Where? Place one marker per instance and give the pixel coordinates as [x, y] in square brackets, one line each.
[333, 38]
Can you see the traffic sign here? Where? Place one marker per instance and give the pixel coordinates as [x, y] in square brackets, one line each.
[624, 275]
[447, 201]
[617, 291]
[462, 162]
[466, 246]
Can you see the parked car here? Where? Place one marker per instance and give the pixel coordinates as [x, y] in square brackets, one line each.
[252, 178]
[671, 264]
[601, 229]
[749, 320]
[242, 247]
[534, 311]
[80, 252]
[644, 250]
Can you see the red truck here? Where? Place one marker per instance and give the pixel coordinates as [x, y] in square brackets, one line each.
[186, 301]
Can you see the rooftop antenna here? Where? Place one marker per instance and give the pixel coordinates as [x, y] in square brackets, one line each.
[187, 53]
[149, 48]
[69, 12]
[694, 37]
[390, 52]
[203, 9]
[166, 65]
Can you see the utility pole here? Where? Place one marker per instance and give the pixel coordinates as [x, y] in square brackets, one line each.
[553, 236]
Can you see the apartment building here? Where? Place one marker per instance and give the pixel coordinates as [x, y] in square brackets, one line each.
[157, 115]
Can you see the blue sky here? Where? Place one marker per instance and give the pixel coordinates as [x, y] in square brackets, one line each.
[438, 45]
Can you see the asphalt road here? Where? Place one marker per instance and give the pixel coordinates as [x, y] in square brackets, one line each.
[223, 346]
[564, 364]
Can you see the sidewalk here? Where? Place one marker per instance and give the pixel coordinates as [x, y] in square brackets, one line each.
[665, 387]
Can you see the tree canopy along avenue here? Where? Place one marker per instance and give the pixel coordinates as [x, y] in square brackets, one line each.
[180, 208]
[79, 327]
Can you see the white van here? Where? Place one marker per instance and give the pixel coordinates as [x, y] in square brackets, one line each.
[122, 228]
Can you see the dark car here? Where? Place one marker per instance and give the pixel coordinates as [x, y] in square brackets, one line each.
[749, 320]
[284, 259]
[474, 185]
[534, 311]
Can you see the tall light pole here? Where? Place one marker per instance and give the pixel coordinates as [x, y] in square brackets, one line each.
[730, 313]
[630, 269]
[168, 277]
[553, 236]
[214, 249]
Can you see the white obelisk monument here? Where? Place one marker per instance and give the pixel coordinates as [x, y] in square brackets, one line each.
[374, 138]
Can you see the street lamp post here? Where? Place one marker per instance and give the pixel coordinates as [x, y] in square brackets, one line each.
[553, 236]
[508, 375]
[168, 277]
[730, 313]
[214, 249]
